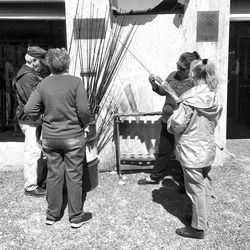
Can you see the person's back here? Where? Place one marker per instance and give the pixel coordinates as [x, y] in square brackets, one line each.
[62, 100]
[195, 142]
[63, 106]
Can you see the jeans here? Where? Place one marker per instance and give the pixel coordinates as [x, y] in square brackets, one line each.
[65, 164]
[32, 154]
[198, 186]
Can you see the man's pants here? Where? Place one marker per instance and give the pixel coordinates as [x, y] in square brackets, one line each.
[162, 164]
[32, 153]
[198, 186]
[65, 163]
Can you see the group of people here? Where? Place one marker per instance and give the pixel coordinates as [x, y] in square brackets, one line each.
[189, 117]
[59, 103]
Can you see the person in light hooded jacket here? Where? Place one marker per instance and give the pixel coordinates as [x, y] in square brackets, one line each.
[193, 124]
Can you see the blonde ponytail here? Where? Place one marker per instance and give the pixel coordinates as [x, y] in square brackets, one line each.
[204, 70]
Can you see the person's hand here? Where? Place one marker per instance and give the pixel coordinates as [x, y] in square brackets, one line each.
[158, 79]
[151, 79]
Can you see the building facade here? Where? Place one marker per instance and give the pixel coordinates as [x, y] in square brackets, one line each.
[217, 29]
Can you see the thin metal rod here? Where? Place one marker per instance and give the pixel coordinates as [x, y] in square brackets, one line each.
[135, 58]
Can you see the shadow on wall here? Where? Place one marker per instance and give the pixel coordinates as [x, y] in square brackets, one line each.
[143, 19]
[178, 20]
[139, 132]
[133, 19]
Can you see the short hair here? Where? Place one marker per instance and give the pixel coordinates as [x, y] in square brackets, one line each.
[205, 70]
[58, 60]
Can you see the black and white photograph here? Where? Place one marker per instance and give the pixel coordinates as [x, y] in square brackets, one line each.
[125, 124]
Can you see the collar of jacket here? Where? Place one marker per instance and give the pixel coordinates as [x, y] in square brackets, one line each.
[199, 97]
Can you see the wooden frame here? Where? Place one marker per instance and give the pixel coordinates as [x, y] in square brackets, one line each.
[131, 160]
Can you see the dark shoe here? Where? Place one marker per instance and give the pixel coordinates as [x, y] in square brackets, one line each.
[86, 218]
[147, 181]
[190, 232]
[38, 192]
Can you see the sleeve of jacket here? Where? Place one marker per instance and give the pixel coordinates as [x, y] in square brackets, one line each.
[82, 105]
[31, 82]
[179, 120]
[34, 105]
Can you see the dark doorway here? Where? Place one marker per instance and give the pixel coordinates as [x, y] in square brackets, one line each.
[238, 113]
[15, 36]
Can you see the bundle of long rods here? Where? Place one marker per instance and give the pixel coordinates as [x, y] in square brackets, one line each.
[106, 120]
[105, 50]
[103, 56]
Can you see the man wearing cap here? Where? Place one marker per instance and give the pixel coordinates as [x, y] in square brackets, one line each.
[26, 80]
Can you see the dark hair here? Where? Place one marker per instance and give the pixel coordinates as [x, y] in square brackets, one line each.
[197, 56]
[186, 59]
[58, 60]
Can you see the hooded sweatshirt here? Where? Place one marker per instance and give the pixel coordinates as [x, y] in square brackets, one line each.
[193, 124]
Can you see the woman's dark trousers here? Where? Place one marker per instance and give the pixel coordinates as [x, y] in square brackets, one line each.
[65, 163]
[164, 165]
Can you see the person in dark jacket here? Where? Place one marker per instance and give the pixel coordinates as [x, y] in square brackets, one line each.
[180, 82]
[66, 113]
[26, 80]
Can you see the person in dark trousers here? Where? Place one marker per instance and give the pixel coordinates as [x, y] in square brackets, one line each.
[63, 101]
[193, 124]
[180, 82]
[25, 82]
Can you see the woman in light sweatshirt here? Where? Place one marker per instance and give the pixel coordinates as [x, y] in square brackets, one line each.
[193, 124]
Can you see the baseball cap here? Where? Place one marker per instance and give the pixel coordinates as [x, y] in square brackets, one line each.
[38, 53]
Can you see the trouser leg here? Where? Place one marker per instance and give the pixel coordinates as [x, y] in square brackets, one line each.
[55, 181]
[32, 153]
[197, 184]
[166, 148]
[74, 169]
[208, 187]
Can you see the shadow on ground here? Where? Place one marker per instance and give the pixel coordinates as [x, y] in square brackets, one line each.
[10, 136]
[174, 203]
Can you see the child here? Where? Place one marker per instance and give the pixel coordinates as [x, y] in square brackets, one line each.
[193, 124]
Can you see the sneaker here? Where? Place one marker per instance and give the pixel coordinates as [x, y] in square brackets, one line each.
[38, 192]
[147, 181]
[49, 222]
[86, 218]
[190, 232]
